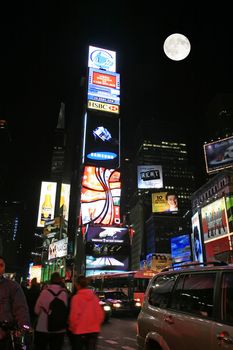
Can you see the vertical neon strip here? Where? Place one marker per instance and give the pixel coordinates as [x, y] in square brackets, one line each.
[84, 138]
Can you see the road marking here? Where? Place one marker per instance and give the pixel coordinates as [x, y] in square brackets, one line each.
[111, 341]
[127, 348]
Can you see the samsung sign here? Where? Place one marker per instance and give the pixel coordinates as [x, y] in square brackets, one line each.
[102, 155]
[101, 141]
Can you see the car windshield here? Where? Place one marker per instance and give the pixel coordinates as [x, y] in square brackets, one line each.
[115, 295]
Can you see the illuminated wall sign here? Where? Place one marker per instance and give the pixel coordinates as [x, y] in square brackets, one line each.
[106, 264]
[47, 202]
[214, 221]
[58, 249]
[229, 209]
[104, 107]
[101, 145]
[197, 239]
[100, 196]
[219, 154]
[160, 202]
[102, 59]
[65, 200]
[108, 234]
[35, 272]
[104, 87]
[181, 249]
[150, 176]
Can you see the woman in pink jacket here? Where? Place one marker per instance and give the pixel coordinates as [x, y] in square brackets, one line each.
[85, 317]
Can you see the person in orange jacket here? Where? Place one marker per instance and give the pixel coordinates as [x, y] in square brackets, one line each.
[85, 317]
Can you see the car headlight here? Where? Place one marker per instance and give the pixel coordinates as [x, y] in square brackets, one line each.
[117, 305]
[107, 308]
[138, 304]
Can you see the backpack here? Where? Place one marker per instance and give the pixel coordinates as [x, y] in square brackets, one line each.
[57, 313]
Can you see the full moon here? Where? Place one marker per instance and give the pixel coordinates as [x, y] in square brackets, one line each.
[176, 47]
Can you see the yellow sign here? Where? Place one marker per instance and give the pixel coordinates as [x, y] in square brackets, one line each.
[159, 202]
[105, 107]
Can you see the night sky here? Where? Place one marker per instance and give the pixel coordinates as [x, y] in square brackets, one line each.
[44, 55]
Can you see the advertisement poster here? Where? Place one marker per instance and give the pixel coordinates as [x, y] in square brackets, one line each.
[101, 146]
[196, 238]
[214, 221]
[47, 202]
[58, 249]
[181, 249]
[164, 202]
[216, 247]
[219, 154]
[229, 209]
[100, 196]
[149, 176]
[65, 200]
[158, 261]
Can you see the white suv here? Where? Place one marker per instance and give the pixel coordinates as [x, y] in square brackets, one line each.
[188, 309]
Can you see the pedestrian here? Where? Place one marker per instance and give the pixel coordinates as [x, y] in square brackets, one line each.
[13, 306]
[32, 295]
[52, 310]
[85, 317]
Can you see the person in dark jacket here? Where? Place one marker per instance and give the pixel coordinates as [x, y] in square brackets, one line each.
[13, 306]
[85, 317]
[32, 295]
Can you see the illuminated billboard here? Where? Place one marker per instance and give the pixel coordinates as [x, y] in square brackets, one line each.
[101, 145]
[100, 196]
[108, 234]
[229, 209]
[65, 200]
[164, 202]
[102, 59]
[47, 202]
[103, 107]
[103, 87]
[219, 154]
[181, 249]
[106, 264]
[214, 248]
[35, 272]
[58, 249]
[214, 221]
[150, 176]
[197, 239]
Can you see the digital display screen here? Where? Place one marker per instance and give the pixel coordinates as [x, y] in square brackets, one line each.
[107, 234]
[101, 146]
[97, 265]
[219, 154]
[214, 220]
[181, 249]
[196, 238]
[103, 86]
[100, 196]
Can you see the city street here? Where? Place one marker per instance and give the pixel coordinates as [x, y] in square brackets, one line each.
[118, 333]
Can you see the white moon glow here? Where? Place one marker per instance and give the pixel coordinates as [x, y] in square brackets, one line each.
[176, 47]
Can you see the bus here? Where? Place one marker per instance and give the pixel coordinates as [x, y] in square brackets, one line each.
[132, 283]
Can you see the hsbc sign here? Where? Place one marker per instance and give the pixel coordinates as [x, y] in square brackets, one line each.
[106, 107]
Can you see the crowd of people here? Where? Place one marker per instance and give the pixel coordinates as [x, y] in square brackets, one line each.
[50, 312]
